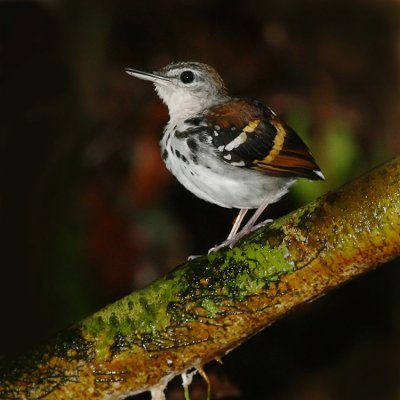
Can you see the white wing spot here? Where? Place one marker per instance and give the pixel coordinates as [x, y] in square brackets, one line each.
[238, 164]
[228, 157]
[236, 142]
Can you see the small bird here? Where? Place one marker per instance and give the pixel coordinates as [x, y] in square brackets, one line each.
[231, 151]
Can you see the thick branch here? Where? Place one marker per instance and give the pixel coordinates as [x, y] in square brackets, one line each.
[210, 305]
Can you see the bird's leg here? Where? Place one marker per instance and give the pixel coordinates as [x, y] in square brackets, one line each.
[235, 236]
[233, 232]
[250, 226]
[236, 224]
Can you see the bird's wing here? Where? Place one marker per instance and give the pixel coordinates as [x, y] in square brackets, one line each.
[247, 134]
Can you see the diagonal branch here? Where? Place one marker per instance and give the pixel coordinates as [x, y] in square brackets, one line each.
[206, 307]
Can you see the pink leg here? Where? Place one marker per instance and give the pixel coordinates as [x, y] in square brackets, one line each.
[255, 216]
[235, 236]
[250, 224]
[236, 225]
[233, 232]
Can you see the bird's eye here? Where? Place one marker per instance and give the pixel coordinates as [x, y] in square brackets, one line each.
[187, 77]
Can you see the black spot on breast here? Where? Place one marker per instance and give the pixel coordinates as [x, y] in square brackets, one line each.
[164, 155]
[181, 135]
[193, 121]
[177, 153]
[192, 144]
[195, 159]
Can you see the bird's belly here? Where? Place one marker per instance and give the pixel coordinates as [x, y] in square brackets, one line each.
[217, 182]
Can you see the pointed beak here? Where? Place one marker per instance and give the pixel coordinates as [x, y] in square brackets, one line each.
[147, 76]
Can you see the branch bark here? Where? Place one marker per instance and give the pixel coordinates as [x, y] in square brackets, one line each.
[208, 306]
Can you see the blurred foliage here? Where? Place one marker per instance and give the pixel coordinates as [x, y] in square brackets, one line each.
[338, 150]
[89, 212]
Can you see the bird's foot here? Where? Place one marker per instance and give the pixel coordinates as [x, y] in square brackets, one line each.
[225, 243]
[240, 235]
[261, 224]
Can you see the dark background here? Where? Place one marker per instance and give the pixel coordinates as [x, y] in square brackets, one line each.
[89, 213]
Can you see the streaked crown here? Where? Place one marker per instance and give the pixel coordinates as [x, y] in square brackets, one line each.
[194, 76]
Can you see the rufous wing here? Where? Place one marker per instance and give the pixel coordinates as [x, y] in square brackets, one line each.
[248, 134]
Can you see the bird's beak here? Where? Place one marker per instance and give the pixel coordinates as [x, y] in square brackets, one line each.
[148, 76]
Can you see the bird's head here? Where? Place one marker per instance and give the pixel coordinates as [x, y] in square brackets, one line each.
[185, 87]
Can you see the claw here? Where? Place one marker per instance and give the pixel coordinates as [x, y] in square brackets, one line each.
[218, 247]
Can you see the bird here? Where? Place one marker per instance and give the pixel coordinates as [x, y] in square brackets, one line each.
[230, 151]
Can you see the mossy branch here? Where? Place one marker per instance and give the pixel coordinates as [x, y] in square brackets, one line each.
[207, 306]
